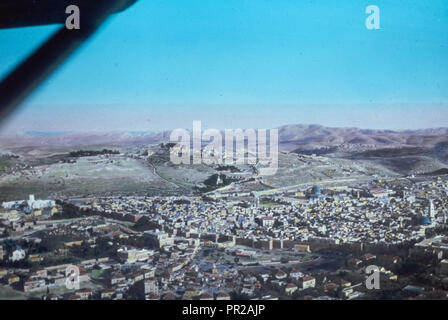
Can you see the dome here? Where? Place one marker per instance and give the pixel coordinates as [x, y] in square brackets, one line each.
[315, 190]
[425, 220]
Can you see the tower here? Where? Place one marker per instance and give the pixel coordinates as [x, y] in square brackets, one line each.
[432, 211]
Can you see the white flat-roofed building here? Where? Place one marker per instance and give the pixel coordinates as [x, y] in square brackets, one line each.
[134, 255]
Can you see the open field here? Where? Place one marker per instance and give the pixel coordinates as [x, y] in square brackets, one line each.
[89, 175]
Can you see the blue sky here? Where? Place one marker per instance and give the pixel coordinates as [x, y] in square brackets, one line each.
[245, 63]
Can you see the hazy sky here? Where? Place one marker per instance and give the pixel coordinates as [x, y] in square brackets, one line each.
[245, 63]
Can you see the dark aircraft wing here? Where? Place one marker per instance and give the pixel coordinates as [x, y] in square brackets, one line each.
[22, 81]
[25, 13]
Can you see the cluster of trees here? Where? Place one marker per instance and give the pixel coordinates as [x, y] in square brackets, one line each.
[228, 168]
[211, 182]
[89, 153]
[103, 248]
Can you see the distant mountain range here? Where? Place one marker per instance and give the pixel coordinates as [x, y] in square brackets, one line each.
[291, 137]
[316, 136]
[74, 139]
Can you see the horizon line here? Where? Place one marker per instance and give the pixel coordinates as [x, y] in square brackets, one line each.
[54, 133]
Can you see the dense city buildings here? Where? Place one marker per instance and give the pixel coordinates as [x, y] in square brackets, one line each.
[295, 244]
